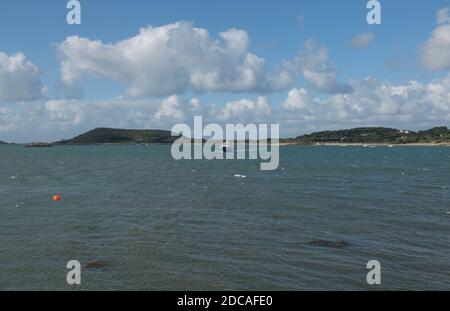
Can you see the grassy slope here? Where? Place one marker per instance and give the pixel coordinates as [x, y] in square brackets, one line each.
[121, 136]
[376, 135]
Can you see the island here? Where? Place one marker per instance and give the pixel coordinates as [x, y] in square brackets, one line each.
[374, 135]
[356, 136]
[2, 143]
[121, 136]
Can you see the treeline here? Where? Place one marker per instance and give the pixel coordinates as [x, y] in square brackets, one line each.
[368, 135]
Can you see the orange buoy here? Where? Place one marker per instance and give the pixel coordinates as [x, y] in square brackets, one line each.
[56, 198]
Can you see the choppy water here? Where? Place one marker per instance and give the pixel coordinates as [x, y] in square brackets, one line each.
[159, 224]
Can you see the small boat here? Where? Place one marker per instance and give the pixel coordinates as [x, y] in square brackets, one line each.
[225, 147]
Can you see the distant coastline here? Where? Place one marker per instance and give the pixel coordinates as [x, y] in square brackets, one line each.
[445, 144]
[367, 136]
[375, 136]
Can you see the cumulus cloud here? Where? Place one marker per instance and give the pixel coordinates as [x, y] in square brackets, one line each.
[320, 74]
[362, 40]
[73, 114]
[435, 52]
[411, 105]
[297, 99]
[244, 110]
[373, 104]
[57, 119]
[19, 78]
[170, 109]
[171, 59]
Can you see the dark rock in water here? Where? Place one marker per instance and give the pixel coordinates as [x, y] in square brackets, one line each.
[95, 264]
[329, 244]
[39, 145]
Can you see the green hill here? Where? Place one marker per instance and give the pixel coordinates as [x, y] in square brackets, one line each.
[363, 135]
[434, 135]
[376, 135]
[121, 136]
[2, 143]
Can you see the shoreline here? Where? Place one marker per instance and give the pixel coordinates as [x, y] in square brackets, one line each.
[369, 145]
[366, 145]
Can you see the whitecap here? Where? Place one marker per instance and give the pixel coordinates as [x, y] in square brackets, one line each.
[240, 176]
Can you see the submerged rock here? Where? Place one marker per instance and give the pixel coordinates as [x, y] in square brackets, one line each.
[95, 264]
[329, 244]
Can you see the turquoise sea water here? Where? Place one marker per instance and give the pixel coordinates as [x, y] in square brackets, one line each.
[161, 224]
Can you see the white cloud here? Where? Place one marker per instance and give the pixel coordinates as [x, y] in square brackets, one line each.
[443, 16]
[57, 119]
[362, 40]
[171, 59]
[435, 52]
[19, 78]
[297, 99]
[411, 105]
[318, 71]
[372, 103]
[244, 110]
[170, 109]
[120, 113]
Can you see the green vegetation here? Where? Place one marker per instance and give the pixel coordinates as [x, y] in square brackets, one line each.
[375, 135]
[121, 136]
[435, 135]
[365, 135]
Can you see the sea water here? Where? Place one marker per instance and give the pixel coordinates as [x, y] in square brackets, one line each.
[161, 224]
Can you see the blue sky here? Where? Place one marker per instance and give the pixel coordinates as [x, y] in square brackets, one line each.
[277, 31]
[273, 26]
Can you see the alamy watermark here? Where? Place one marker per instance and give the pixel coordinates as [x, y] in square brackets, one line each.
[229, 143]
[73, 277]
[374, 15]
[374, 275]
[73, 16]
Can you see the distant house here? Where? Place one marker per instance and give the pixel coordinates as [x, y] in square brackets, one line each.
[405, 132]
